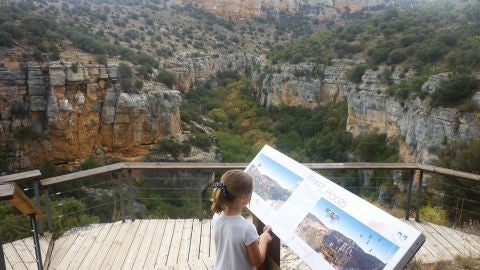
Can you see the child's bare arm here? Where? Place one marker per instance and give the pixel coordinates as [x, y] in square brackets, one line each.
[257, 251]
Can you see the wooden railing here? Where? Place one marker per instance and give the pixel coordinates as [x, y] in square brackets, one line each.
[416, 171]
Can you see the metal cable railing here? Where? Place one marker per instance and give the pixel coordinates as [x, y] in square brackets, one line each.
[159, 190]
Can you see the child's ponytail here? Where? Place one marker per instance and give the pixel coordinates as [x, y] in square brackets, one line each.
[234, 183]
[219, 197]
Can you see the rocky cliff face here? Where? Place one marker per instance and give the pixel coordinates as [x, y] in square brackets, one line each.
[60, 113]
[235, 10]
[193, 67]
[420, 129]
[307, 85]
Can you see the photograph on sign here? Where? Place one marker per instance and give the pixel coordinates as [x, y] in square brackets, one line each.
[324, 224]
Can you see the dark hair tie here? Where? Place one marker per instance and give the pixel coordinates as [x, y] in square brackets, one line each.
[222, 187]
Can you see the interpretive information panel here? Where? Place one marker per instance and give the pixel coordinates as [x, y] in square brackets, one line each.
[324, 224]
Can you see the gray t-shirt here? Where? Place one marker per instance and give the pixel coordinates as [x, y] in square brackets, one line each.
[232, 236]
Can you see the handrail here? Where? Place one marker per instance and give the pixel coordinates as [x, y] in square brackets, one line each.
[206, 166]
[226, 166]
[19, 176]
[449, 172]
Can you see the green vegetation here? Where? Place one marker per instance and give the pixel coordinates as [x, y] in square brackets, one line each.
[89, 163]
[408, 89]
[3, 160]
[356, 73]
[125, 77]
[308, 135]
[455, 90]
[437, 35]
[465, 195]
[70, 213]
[166, 77]
[23, 23]
[24, 134]
[432, 38]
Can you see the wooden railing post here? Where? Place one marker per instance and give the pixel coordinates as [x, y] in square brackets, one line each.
[272, 260]
[419, 195]
[120, 193]
[409, 195]
[131, 195]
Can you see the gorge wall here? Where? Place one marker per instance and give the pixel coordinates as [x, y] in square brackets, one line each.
[60, 113]
[420, 129]
[235, 10]
[193, 67]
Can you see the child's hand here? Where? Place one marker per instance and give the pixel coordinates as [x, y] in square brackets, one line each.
[265, 236]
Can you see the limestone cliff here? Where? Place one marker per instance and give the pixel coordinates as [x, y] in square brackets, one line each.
[307, 85]
[60, 113]
[420, 128]
[193, 67]
[235, 10]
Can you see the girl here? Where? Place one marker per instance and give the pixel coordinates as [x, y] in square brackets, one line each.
[237, 242]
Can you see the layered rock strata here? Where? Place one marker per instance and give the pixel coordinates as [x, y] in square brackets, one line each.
[193, 67]
[420, 129]
[61, 113]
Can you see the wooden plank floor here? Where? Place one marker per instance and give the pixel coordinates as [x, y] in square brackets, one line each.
[181, 244]
[21, 253]
[141, 244]
[444, 243]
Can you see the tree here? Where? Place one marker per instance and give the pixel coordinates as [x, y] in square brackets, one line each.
[356, 73]
[463, 156]
[374, 147]
[6, 40]
[454, 90]
[166, 77]
[125, 76]
[89, 163]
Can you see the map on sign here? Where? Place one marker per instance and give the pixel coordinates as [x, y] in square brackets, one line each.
[324, 224]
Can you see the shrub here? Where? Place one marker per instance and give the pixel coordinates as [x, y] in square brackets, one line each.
[18, 110]
[454, 90]
[74, 67]
[397, 56]
[6, 40]
[405, 88]
[101, 59]
[24, 134]
[169, 146]
[125, 76]
[434, 215]
[201, 140]
[89, 163]
[166, 77]
[356, 73]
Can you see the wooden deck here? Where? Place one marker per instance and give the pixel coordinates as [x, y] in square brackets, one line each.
[21, 253]
[180, 244]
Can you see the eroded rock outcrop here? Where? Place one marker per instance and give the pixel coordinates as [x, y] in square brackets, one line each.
[307, 85]
[420, 129]
[60, 113]
[193, 67]
[235, 10]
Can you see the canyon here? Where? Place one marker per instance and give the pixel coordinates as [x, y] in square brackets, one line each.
[59, 112]
[420, 129]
